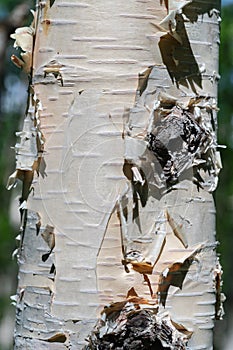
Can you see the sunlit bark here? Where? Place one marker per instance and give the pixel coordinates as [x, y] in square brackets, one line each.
[118, 159]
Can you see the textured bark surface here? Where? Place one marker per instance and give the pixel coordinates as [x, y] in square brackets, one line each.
[118, 159]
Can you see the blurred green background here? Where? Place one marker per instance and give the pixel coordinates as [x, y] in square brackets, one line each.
[13, 86]
[224, 193]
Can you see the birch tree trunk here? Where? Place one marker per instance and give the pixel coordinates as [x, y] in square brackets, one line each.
[118, 161]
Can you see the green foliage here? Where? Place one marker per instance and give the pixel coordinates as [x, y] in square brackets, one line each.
[8, 127]
[8, 5]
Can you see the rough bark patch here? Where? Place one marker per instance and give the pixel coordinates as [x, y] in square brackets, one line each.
[137, 330]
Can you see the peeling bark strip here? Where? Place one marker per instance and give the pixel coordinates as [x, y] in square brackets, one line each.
[117, 242]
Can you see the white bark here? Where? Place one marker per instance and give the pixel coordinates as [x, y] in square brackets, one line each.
[118, 213]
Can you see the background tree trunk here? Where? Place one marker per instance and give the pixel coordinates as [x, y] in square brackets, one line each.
[118, 161]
